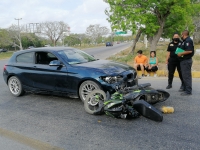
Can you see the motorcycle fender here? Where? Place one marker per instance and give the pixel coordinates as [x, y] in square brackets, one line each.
[147, 110]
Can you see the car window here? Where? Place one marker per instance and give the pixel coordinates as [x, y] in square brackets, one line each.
[25, 57]
[74, 56]
[44, 58]
[50, 55]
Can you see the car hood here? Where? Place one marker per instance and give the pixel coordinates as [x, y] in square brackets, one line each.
[106, 66]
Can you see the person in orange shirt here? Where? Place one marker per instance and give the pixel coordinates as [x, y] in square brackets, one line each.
[140, 62]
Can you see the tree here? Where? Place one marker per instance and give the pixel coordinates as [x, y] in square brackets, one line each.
[72, 40]
[76, 39]
[31, 39]
[196, 20]
[15, 34]
[54, 30]
[94, 32]
[196, 34]
[5, 40]
[151, 17]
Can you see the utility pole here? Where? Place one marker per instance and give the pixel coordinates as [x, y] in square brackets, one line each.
[20, 43]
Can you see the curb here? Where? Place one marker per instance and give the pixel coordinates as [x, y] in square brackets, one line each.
[164, 73]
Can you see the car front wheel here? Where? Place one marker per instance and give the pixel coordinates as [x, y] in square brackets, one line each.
[15, 86]
[87, 87]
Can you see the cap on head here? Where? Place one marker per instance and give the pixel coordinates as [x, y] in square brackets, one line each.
[139, 52]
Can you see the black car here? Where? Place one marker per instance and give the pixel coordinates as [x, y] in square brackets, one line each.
[3, 50]
[63, 70]
[109, 44]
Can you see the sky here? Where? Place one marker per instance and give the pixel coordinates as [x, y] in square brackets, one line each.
[78, 14]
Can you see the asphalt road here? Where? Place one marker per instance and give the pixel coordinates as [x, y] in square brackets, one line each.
[45, 122]
[104, 52]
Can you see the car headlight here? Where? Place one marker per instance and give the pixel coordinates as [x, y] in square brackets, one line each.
[112, 79]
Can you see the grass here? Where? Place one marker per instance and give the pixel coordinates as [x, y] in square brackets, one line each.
[84, 46]
[5, 55]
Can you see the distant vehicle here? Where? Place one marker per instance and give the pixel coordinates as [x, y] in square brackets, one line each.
[31, 47]
[3, 50]
[161, 39]
[109, 44]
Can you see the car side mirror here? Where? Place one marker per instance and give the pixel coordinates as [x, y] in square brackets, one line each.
[55, 63]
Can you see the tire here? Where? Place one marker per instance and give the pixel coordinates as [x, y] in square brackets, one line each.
[93, 103]
[15, 86]
[86, 87]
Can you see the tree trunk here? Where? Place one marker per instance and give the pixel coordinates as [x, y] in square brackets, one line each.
[196, 37]
[139, 32]
[20, 44]
[21, 48]
[156, 38]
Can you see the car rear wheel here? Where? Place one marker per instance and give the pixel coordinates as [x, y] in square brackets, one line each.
[15, 86]
[87, 87]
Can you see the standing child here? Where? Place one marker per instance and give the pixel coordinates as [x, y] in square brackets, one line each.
[152, 64]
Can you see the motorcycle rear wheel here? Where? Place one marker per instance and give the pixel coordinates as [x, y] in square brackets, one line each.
[93, 103]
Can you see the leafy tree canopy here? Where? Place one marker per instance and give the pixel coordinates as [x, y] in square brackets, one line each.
[155, 18]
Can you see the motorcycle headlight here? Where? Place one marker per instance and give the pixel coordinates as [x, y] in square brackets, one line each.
[112, 79]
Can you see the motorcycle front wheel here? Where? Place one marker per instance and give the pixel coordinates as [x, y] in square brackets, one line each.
[93, 103]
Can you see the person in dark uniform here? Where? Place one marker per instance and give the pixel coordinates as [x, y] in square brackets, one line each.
[173, 62]
[186, 62]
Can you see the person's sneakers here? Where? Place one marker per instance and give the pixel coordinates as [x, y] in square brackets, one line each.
[169, 86]
[155, 75]
[148, 75]
[185, 94]
[143, 75]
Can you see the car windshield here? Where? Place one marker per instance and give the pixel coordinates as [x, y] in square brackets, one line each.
[74, 56]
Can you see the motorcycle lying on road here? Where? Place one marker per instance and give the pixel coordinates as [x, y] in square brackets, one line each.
[127, 102]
